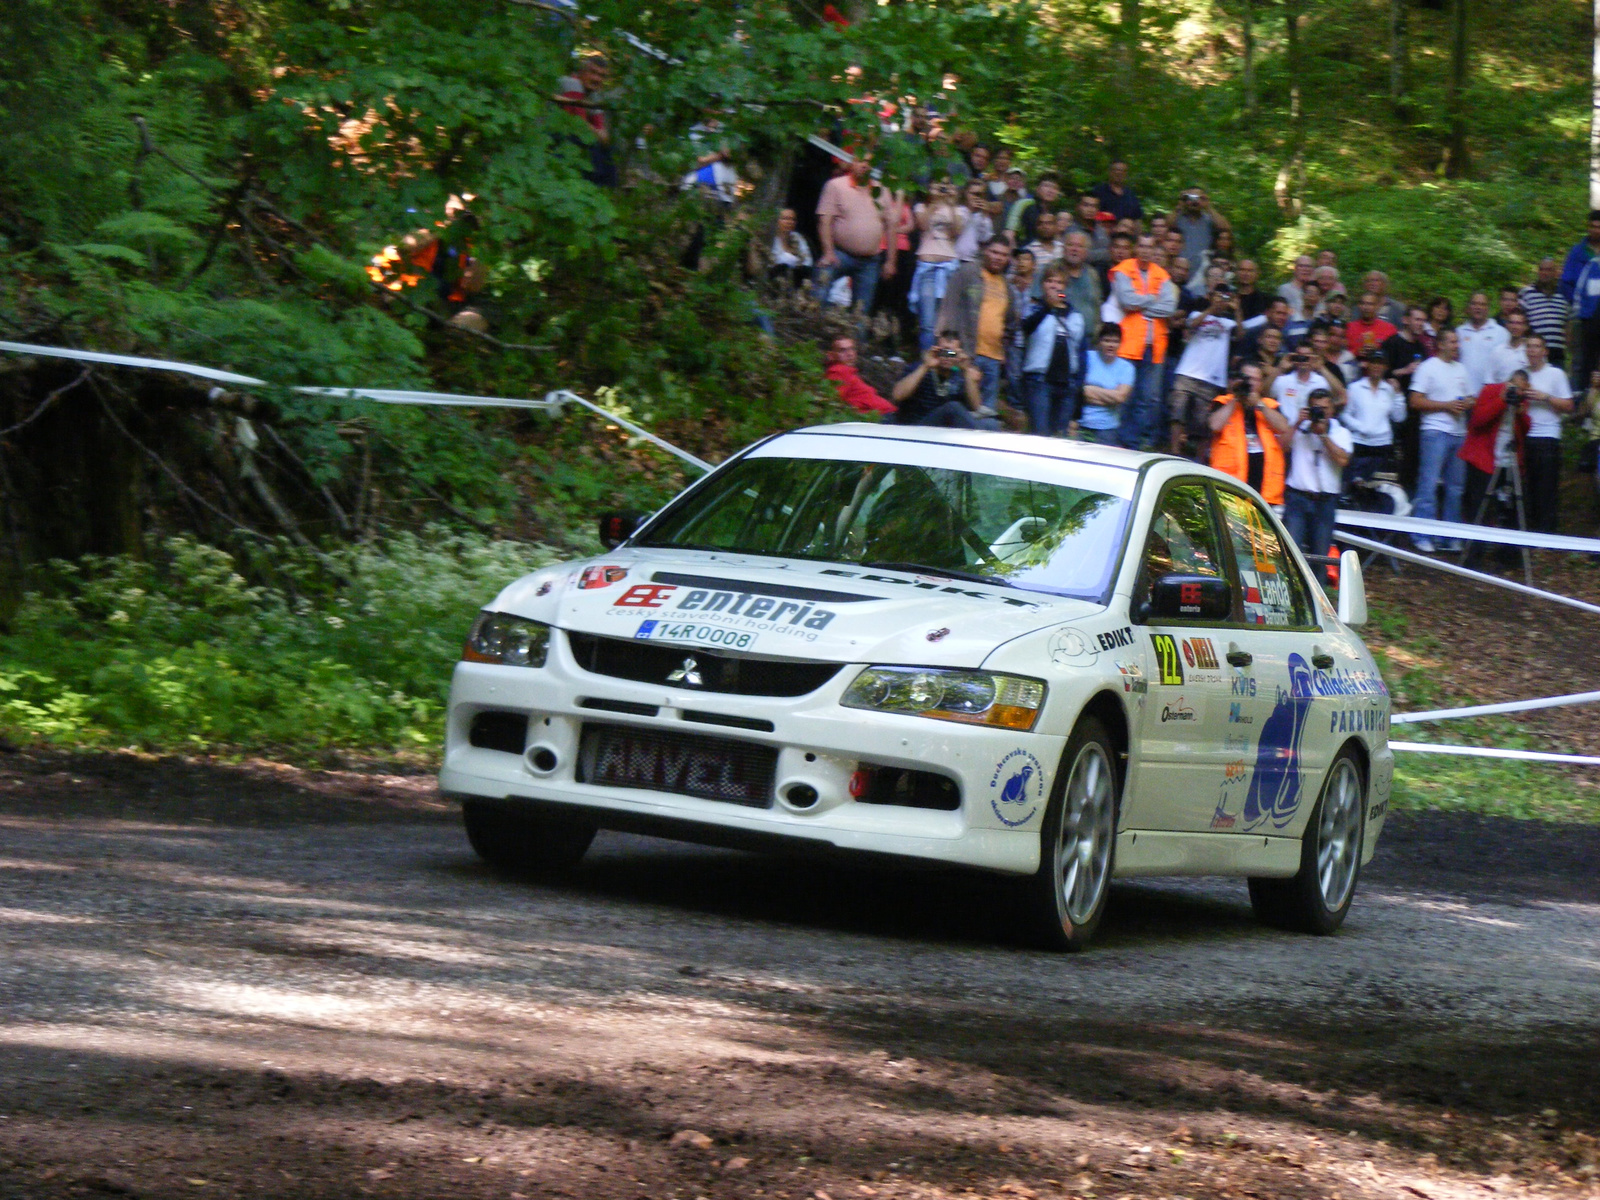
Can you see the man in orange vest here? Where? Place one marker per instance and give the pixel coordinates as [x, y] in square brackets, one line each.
[1247, 433]
[1146, 295]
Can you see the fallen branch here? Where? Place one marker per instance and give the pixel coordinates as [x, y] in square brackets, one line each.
[44, 405]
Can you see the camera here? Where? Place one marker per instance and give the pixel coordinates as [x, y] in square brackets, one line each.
[1514, 396]
[1316, 414]
[1222, 291]
[1299, 356]
[1192, 197]
[949, 355]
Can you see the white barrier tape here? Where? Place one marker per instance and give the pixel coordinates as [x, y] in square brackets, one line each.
[1490, 710]
[1581, 760]
[563, 394]
[1451, 569]
[1418, 527]
[552, 402]
[381, 395]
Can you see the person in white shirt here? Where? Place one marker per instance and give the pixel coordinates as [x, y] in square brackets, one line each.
[1513, 356]
[790, 252]
[1549, 398]
[1305, 372]
[1442, 392]
[1305, 270]
[1318, 449]
[1480, 339]
[1202, 374]
[1373, 408]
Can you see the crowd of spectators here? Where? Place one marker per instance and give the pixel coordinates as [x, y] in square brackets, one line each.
[1086, 315]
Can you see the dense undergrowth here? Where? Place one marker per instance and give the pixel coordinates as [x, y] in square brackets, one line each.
[180, 652]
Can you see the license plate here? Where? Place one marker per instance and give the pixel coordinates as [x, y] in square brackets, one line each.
[699, 635]
[710, 768]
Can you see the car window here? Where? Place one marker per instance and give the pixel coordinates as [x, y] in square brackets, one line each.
[1274, 592]
[1182, 538]
[1047, 537]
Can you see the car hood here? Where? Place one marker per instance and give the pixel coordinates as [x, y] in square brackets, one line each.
[789, 609]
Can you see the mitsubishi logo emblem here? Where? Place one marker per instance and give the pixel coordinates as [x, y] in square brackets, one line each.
[689, 673]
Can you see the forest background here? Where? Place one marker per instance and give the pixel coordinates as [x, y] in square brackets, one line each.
[208, 181]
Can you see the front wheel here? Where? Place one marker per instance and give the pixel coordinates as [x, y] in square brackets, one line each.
[1318, 898]
[514, 841]
[1066, 897]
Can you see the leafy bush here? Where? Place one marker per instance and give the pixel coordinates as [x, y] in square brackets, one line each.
[182, 652]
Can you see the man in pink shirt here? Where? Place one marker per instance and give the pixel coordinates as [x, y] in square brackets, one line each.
[851, 225]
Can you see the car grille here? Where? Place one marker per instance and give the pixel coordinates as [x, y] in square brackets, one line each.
[624, 658]
[685, 764]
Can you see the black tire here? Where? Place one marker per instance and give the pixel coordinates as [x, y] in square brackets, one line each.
[1062, 909]
[1330, 848]
[518, 842]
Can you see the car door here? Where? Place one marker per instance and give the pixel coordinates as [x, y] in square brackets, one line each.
[1276, 653]
[1185, 718]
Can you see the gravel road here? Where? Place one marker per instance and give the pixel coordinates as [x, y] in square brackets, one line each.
[191, 1008]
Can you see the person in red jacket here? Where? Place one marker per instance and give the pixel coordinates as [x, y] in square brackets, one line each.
[1497, 426]
[853, 390]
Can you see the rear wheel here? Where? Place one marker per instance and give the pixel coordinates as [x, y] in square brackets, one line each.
[512, 840]
[1067, 896]
[1317, 899]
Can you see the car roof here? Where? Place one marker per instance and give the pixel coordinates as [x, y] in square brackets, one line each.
[1060, 449]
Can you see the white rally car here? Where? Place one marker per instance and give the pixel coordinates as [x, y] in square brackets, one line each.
[1054, 660]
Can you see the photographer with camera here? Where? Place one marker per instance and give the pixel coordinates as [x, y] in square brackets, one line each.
[1198, 222]
[943, 389]
[1202, 372]
[1247, 432]
[1318, 453]
[1497, 432]
[1305, 372]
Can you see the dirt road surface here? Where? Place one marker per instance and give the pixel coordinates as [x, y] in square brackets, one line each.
[266, 1006]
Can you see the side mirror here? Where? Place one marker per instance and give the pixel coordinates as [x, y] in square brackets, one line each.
[616, 528]
[1352, 590]
[1191, 598]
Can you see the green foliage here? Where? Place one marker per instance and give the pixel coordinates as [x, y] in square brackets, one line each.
[182, 652]
[1495, 788]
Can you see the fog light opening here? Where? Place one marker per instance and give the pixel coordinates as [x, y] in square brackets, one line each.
[543, 759]
[801, 795]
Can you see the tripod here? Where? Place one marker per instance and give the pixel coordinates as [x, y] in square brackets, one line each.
[1505, 474]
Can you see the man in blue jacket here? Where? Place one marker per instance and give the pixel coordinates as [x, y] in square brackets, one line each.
[1580, 284]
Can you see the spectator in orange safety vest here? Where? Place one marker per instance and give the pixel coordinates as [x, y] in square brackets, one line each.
[1142, 296]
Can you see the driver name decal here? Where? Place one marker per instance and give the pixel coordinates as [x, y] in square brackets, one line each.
[1016, 789]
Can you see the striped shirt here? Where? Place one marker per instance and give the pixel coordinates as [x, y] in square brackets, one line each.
[1547, 314]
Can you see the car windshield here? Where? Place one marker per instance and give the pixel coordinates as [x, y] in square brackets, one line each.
[1044, 537]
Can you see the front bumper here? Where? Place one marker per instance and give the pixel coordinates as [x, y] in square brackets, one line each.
[818, 744]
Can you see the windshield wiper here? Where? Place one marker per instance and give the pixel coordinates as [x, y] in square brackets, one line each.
[924, 569]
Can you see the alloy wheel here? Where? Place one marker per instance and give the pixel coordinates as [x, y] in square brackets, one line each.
[1083, 851]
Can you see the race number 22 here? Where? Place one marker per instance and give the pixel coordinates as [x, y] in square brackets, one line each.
[1167, 660]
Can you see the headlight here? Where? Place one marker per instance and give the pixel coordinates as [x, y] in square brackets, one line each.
[971, 697]
[513, 641]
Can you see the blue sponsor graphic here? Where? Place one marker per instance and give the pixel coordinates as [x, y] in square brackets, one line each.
[1275, 787]
[1244, 685]
[1016, 789]
[1236, 714]
[646, 628]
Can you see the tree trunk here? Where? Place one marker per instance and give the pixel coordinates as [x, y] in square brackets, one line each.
[1249, 31]
[1291, 176]
[1130, 39]
[1397, 51]
[1291, 25]
[1456, 163]
[1594, 119]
